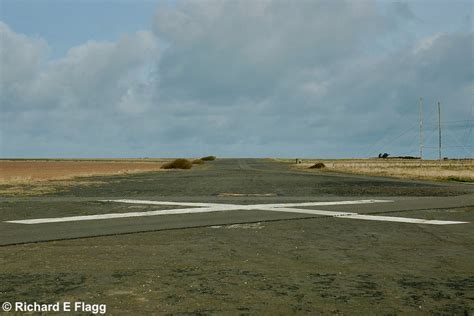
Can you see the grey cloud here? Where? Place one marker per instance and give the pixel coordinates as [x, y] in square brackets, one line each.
[229, 51]
[351, 108]
[403, 11]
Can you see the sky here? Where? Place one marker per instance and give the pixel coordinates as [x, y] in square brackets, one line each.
[235, 78]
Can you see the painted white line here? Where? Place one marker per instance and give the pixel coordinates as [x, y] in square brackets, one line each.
[246, 194]
[117, 215]
[401, 219]
[162, 203]
[311, 212]
[324, 203]
[215, 207]
[368, 217]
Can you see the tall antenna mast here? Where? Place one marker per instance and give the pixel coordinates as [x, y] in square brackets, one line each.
[421, 129]
[439, 130]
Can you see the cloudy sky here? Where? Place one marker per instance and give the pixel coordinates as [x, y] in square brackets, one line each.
[253, 78]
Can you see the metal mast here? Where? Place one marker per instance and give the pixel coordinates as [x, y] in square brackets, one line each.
[439, 130]
[421, 128]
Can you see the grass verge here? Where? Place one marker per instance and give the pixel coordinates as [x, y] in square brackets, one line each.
[446, 170]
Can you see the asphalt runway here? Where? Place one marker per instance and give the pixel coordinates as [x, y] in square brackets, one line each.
[225, 192]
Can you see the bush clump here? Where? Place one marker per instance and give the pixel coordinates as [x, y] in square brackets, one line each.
[198, 162]
[178, 164]
[318, 165]
[208, 158]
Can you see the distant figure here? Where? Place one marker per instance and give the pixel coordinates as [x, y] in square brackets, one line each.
[380, 155]
[298, 161]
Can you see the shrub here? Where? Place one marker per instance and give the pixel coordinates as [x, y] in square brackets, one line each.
[198, 162]
[318, 165]
[178, 164]
[208, 158]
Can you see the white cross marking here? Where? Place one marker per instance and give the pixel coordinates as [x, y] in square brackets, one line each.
[216, 207]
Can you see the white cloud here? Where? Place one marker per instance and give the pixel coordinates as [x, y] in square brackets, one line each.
[21, 59]
[425, 43]
[94, 74]
[21, 56]
[137, 99]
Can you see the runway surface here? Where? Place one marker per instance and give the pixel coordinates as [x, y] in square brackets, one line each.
[229, 191]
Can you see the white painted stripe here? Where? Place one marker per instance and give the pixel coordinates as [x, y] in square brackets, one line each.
[162, 203]
[311, 212]
[401, 219]
[117, 215]
[368, 217]
[324, 203]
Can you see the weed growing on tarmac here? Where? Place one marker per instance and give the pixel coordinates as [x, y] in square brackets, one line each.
[209, 158]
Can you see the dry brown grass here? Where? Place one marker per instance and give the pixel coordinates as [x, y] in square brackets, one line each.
[446, 170]
[33, 177]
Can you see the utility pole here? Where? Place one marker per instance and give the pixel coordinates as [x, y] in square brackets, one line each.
[439, 130]
[421, 129]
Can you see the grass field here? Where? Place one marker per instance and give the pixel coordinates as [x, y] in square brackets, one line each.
[446, 170]
[34, 177]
